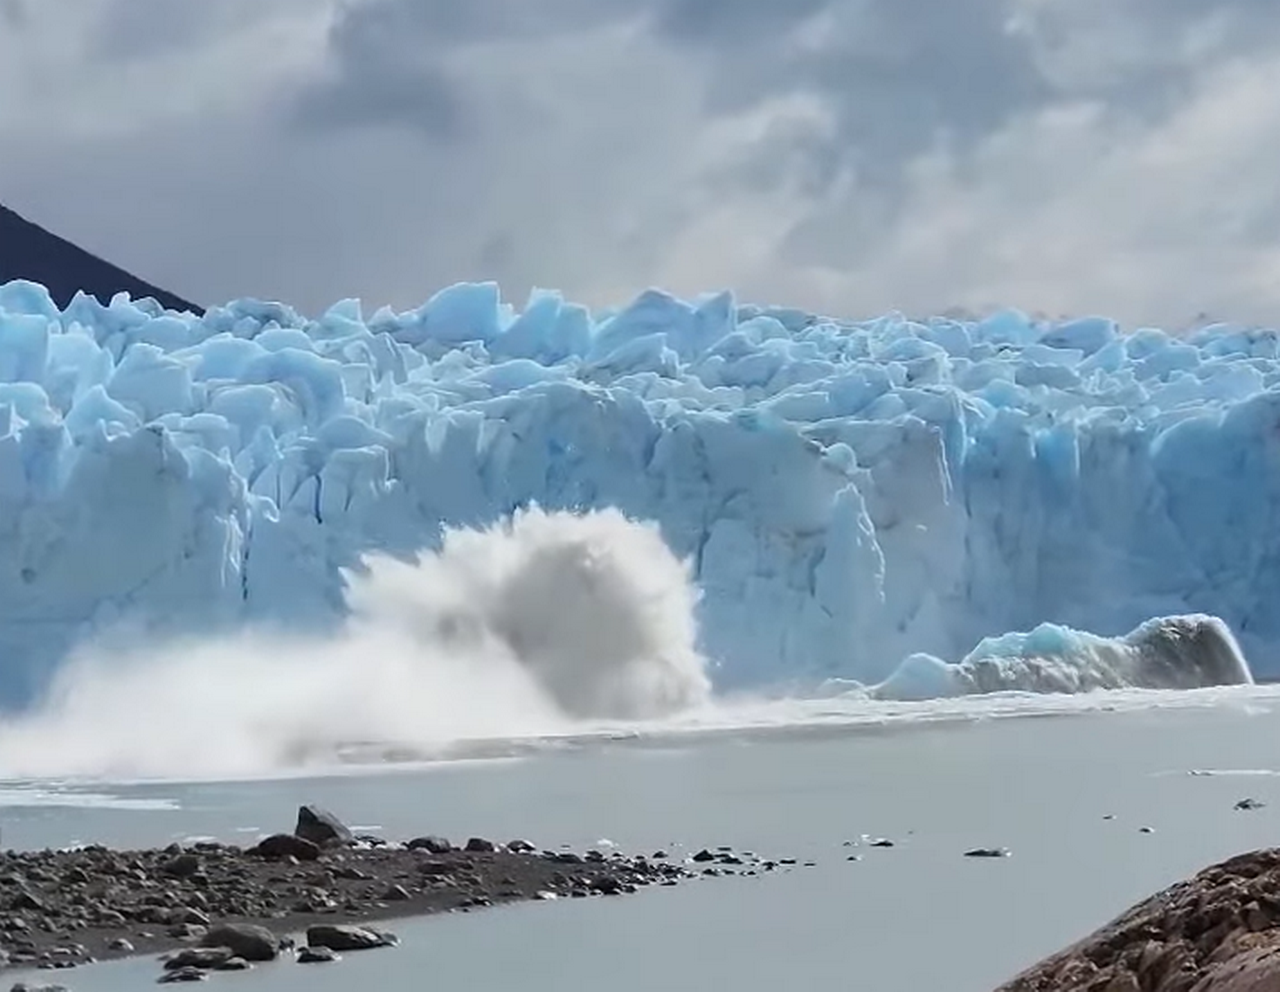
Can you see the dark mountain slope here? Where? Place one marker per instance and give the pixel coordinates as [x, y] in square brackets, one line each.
[28, 251]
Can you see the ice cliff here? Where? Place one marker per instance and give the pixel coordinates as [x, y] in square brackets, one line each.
[847, 493]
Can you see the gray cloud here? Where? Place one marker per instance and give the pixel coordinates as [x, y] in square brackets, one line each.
[850, 155]
[130, 30]
[897, 77]
[386, 92]
[14, 13]
[388, 59]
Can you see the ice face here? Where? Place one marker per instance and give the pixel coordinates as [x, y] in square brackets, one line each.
[845, 493]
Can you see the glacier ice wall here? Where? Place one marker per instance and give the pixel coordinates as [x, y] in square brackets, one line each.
[847, 493]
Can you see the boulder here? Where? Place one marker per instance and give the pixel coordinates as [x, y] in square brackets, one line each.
[321, 827]
[183, 866]
[337, 937]
[245, 940]
[433, 845]
[199, 957]
[286, 846]
[316, 955]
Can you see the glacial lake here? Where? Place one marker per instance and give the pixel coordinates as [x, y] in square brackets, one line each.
[1066, 794]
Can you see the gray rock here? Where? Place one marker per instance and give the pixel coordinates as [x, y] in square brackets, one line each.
[478, 845]
[317, 955]
[198, 957]
[26, 900]
[521, 847]
[988, 852]
[397, 893]
[286, 846]
[321, 827]
[434, 845]
[183, 866]
[24, 987]
[233, 964]
[182, 975]
[253, 943]
[120, 944]
[338, 937]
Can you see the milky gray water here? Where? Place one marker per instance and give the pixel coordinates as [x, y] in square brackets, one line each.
[914, 917]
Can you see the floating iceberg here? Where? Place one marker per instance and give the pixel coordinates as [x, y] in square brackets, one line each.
[1189, 652]
[845, 493]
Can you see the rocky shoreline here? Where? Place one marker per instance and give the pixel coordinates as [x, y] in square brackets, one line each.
[1216, 932]
[219, 906]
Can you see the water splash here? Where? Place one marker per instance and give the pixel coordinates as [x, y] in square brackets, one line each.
[537, 625]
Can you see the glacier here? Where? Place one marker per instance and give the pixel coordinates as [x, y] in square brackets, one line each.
[843, 494]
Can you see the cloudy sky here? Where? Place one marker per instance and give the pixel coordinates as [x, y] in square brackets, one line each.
[847, 156]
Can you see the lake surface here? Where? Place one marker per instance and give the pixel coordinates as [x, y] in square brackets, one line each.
[916, 916]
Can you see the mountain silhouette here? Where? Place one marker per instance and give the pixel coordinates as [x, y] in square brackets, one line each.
[28, 251]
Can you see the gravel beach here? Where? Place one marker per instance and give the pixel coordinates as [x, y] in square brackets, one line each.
[60, 909]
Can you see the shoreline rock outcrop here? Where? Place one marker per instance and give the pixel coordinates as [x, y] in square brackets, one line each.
[1218, 931]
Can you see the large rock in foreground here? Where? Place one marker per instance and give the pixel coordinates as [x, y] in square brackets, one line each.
[1216, 932]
